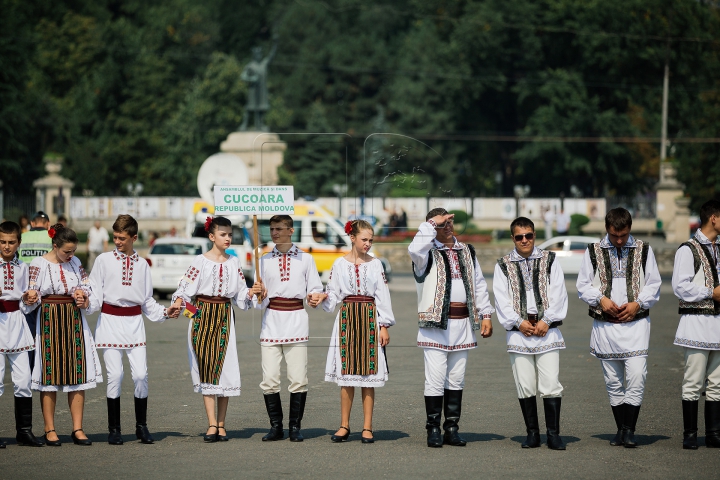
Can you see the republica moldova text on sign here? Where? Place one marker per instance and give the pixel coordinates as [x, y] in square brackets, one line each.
[248, 200]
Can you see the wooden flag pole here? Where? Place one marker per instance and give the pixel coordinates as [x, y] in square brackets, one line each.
[256, 234]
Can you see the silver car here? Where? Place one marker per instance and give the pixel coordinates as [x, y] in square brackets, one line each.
[569, 250]
[169, 258]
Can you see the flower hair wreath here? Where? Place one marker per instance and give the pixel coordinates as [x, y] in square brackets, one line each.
[348, 226]
[51, 233]
[208, 222]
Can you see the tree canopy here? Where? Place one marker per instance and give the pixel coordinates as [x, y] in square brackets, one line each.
[491, 93]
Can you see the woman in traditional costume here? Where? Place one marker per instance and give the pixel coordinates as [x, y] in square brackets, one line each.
[357, 348]
[65, 355]
[212, 283]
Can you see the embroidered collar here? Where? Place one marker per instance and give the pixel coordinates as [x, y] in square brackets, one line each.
[516, 257]
[294, 251]
[14, 262]
[442, 246]
[605, 242]
[701, 238]
[121, 256]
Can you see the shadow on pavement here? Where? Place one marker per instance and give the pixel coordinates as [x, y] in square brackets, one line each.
[640, 439]
[543, 439]
[127, 437]
[480, 437]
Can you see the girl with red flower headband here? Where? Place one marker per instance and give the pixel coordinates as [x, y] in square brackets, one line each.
[213, 282]
[61, 289]
[356, 357]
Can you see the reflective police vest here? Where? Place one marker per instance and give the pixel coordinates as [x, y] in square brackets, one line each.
[35, 243]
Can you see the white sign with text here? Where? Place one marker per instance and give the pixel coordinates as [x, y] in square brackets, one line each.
[247, 200]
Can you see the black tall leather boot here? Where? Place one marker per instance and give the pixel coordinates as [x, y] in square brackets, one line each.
[141, 431]
[23, 423]
[453, 407]
[297, 408]
[690, 426]
[274, 410]
[530, 415]
[629, 422]
[618, 413]
[433, 410]
[712, 424]
[115, 436]
[552, 423]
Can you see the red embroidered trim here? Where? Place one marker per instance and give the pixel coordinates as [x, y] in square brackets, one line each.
[34, 274]
[286, 340]
[9, 274]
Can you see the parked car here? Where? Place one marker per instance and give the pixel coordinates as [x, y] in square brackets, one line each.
[569, 250]
[169, 259]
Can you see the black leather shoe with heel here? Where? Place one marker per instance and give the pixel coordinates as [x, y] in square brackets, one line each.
[211, 437]
[367, 440]
[51, 443]
[341, 438]
[80, 441]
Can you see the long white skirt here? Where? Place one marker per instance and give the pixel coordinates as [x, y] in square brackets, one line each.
[229, 384]
[333, 366]
[92, 362]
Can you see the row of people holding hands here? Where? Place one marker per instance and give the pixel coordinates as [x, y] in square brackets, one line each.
[619, 281]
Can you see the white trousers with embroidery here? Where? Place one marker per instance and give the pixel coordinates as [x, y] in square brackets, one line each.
[444, 371]
[537, 373]
[625, 380]
[19, 372]
[296, 362]
[137, 357]
[701, 365]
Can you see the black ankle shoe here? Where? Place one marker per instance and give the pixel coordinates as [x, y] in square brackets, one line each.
[143, 434]
[115, 437]
[222, 438]
[690, 441]
[80, 441]
[340, 438]
[434, 437]
[211, 437]
[367, 440]
[452, 437]
[51, 443]
[27, 439]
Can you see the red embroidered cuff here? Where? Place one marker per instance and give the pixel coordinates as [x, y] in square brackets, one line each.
[434, 225]
[487, 316]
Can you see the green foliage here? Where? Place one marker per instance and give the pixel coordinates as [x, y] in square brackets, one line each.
[460, 216]
[577, 221]
[144, 91]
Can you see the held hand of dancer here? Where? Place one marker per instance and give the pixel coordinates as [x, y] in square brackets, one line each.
[541, 328]
[30, 297]
[173, 311]
[609, 307]
[384, 336]
[716, 294]
[526, 328]
[81, 299]
[486, 328]
[628, 311]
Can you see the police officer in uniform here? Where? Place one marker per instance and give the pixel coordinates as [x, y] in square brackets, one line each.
[35, 243]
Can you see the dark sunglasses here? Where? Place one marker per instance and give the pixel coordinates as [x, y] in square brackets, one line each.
[529, 236]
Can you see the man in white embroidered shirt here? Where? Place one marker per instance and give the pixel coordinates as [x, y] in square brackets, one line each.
[453, 303]
[620, 281]
[695, 283]
[531, 302]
